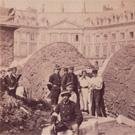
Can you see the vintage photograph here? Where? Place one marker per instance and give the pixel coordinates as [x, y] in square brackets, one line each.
[67, 67]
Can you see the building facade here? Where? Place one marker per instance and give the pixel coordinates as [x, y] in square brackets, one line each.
[95, 35]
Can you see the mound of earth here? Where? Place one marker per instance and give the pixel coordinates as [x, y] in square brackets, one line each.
[119, 78]
[36, 71]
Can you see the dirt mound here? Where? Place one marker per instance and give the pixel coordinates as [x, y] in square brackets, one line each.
[119, 78]
[38, 68]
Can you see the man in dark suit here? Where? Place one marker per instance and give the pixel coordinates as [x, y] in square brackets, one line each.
[12, 81]
[64, 78]
[54, 85]
[72, 78]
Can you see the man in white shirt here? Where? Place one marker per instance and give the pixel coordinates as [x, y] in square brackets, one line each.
[96, 84]
[84, 91]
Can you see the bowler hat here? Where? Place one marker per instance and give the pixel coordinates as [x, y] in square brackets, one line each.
[66, 92]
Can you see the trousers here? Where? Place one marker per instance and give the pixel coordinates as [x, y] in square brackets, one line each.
[96, 98]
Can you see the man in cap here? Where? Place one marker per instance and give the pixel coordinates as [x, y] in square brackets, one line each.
[54, 85]
[70, 116]
[72, 78]
[96, 84]
[69, 87]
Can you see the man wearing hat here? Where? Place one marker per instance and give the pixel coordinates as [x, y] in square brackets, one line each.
[96, 84]
[70, 116]
[54, 85]
[69, 87]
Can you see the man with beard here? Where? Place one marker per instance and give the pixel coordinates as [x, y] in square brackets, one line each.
[70, 116]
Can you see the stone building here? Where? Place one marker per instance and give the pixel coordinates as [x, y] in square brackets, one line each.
[95, 34]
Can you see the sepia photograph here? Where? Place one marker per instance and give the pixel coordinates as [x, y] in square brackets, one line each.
[67, 67]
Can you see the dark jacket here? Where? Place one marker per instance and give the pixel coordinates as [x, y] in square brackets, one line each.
[55, 81]
[69, 112]
[3, 85]
[71, 77]
[64, 80]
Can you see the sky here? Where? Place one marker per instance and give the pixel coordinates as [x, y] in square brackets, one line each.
[91, 5]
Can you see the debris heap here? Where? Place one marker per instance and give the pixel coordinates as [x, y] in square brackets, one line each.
[119, 78]
[38, 68]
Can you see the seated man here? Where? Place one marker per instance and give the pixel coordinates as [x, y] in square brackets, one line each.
[70, 116]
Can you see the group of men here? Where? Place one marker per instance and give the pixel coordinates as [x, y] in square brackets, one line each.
[71, 95]
[9, 81]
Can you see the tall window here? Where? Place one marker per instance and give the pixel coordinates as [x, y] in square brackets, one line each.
[105, 37]
[97, 51]
[131, 34]
[76, 38]
[113, 36]
[122, 35]
[104, 51]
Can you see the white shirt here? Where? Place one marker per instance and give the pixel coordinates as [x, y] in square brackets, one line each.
[84, 82]
[96, 83]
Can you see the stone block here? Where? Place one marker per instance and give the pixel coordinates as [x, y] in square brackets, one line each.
[124, 120]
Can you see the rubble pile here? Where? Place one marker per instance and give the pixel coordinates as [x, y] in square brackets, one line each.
[17, 116]
[36, 71]
[119, 78]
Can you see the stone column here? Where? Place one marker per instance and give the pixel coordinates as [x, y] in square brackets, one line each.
[6, 44]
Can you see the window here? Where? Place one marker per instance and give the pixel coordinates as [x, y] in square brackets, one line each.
[32, 36]
[97, 38]
[132, 16]
[76, 38]
[104, 51]
[97, 51]
[131, 34]
[122, 35]
[113, 36]
[88, 38]
[105, 37]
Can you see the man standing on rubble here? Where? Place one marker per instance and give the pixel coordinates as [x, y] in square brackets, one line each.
[54, 85]
[72, 78]
[70, 116]
[96, 85]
